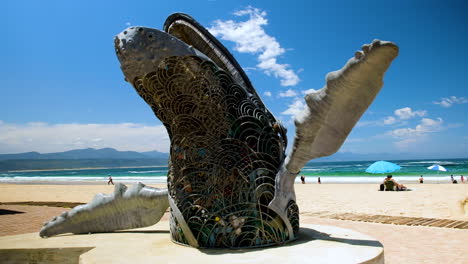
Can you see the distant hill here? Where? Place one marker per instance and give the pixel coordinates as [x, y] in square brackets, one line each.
[349, 156]
[88, 153]
[109, 157]
[81, 158]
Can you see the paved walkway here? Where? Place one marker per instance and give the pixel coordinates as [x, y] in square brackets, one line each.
[410, 244]
[390, 219]
[402, 244]
[22, 219]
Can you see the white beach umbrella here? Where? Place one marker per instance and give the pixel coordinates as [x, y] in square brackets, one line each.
[436, 168]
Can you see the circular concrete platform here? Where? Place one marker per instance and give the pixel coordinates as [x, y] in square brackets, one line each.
[316, 244]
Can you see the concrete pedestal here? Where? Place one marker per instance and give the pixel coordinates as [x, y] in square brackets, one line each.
[316, 244]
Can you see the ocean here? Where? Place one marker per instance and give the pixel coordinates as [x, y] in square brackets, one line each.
[329, 172]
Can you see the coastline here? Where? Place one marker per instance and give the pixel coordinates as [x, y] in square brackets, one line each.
[91, 168]
[162, 179]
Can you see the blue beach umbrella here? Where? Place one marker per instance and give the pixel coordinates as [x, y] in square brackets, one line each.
[382, 167]
[436, 168]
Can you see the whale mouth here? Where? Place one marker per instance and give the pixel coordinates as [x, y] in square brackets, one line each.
[140, 48]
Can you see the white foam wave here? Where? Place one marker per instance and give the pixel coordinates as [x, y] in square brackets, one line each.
[309, 169]
[163, 179]
[144, 172]
[68, 179]
[434, 162]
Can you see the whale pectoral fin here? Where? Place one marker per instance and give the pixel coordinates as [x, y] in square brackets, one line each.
[331, 114]
[126, 208]
[334, 110]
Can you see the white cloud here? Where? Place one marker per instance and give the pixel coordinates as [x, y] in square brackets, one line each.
[402, 114]
[449, 101]
[407, 113]
[407, 142]
[362, 123]
[267, 93]
[247, 69]
[427, 125]
[288, 93]
[309, 91]
[390, 120]
[297, 107]
[250, 37]
[45, 138]
[407, 137]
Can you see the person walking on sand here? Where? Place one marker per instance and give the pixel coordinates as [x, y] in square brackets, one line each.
[319, 182]
[302, 179]
[421, 179]
[110, 181]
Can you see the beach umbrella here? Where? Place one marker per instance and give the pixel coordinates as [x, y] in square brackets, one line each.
[436, 168]
[382, 167]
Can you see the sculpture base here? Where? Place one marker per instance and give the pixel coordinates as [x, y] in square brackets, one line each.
[316, 244]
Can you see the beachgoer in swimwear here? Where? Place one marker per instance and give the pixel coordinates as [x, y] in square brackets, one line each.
[303, 179]
[399, 187]
[421, 179]
[110, 181]
[319, 182]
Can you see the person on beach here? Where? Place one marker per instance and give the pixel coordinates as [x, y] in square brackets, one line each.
[421, 179]
[302, 179]
[462, 179]
[453, 180]
[399, 187]
[319, 182]
[110, 181]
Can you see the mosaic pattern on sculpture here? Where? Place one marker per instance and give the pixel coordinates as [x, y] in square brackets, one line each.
[226, 149]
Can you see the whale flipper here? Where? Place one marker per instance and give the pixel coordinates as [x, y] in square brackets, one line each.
[332, 112]
[126, 208]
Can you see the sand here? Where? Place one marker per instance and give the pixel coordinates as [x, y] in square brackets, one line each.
[426, 200]
[403, 244]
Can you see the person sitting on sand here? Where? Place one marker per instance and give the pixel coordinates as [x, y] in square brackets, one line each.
[399, 187]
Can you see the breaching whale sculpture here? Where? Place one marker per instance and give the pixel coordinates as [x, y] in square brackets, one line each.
[230, 183]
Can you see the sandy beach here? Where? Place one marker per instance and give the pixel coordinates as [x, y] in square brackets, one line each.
[319, 204]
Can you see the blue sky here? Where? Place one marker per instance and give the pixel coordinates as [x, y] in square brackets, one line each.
[62, 88]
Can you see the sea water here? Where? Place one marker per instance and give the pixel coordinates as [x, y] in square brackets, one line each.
[329, 172]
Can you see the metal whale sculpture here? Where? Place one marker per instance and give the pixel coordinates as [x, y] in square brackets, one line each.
[230, 183]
